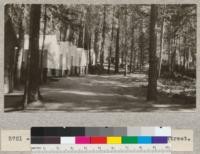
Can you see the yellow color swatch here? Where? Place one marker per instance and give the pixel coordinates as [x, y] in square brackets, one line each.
[114, 140]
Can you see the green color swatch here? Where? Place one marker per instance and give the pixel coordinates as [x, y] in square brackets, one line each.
[129, 139]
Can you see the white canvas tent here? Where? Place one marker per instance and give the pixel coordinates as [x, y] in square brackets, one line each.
[64, 51]
[52, 56]
[61, 58]
[76, 58]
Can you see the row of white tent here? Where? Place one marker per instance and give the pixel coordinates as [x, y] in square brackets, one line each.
[62, 56]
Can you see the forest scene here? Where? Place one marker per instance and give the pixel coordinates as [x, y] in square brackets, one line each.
[100, 58]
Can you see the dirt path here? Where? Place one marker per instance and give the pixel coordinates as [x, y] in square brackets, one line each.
[105, 93]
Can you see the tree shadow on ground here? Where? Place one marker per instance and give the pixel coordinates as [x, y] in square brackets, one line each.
[107, 94]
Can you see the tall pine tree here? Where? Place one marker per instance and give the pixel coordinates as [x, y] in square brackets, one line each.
[152, 85]
[33, 73]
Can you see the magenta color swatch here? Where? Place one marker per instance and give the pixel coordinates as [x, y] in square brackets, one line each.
[82, 140]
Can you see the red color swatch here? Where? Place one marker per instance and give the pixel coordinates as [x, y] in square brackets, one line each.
[98, 140]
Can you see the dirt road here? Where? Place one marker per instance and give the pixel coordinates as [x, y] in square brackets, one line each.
[105, 93]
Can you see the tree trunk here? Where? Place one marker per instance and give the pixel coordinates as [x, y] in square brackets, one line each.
[173, 56]
[152, 81]
[141, 45]
[60, 31]
[71, 35]
[20, 50]
[9, 53]
[126, 44]
[131, 65]
[179, 50]
[109, 58]
[184, 55]
[12, 70]
[122, 58]
[65, 36]
[89, 49]
[33, 78]
[161, 46]
[84, 31]
[188, 58]
[134, 56]
[103, 38]
[111, 41]
[169, 49]
[117, 48]
[80, 38]
[96, 47]
[43, 41]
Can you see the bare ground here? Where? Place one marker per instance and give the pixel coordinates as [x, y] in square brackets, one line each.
[110, 93]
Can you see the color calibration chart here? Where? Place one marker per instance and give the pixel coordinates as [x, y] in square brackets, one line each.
[101, 140]
[107, 140]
